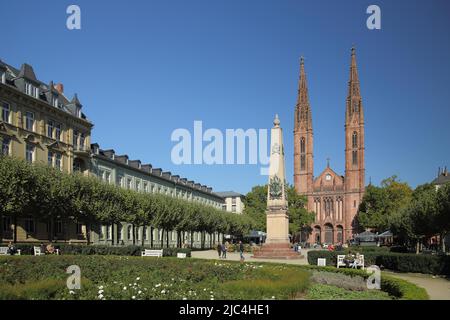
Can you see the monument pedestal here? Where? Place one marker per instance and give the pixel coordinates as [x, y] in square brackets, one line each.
[277, 245]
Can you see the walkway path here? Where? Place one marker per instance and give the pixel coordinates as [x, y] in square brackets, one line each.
[438, 288]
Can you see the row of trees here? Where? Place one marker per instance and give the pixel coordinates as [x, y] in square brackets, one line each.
[414, 216]
[47, 194]
[299, 217]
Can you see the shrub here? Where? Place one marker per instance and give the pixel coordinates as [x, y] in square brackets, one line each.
[355, 283]
[71, 249]
[403, 262]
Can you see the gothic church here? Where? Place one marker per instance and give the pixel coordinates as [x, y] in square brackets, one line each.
[332, 197]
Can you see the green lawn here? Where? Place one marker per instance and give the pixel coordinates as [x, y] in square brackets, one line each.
[117, 277]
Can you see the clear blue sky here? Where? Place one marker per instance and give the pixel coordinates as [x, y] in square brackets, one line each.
[144, 68]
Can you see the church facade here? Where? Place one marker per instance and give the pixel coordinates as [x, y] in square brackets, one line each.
[334, 198]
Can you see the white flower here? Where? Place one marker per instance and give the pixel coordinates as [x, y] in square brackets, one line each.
[138, 278]
[100, 291]
[273, 297]
[139, 292]
[212, 299]
[133, 297]
[173, 279]
[72, 292]
[100, 296]
[184, 298]
[158, 285]
[211, 292]
[163, 291]
[134, 284]
[204, 289]
[101, 287]
[124, 288]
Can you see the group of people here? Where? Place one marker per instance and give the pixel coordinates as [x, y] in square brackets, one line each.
[352, 260]
[223, 248]
[48, 249]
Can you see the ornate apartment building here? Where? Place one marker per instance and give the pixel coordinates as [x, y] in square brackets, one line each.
[40, 124]
[334, 198]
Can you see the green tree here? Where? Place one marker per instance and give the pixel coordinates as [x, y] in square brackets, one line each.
[379, 204]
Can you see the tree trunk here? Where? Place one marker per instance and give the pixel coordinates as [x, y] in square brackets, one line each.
[192, 239]
[167, 239]
[15, 229]
[417, 246]
[151, 237]
[88, 233]
[1, 226]
[443, 234]
[162, 238]
[143, 232]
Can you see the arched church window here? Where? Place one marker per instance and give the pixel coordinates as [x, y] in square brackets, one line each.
[302, 162]
[302, 145]
[355, 139]
[355, 157]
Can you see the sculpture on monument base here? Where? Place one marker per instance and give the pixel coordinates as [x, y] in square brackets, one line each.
[277, 244]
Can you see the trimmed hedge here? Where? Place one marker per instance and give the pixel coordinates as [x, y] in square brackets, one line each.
[403, 262]
[398, 288]
[27, 249]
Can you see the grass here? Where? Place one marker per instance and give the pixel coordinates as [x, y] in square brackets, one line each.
[138, 278]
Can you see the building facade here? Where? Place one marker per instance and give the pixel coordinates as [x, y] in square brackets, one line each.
[40, 124]
[134, 175]
[233, 201]
[332, 197]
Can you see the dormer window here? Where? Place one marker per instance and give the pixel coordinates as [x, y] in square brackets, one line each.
[55, 102]
[31, 90]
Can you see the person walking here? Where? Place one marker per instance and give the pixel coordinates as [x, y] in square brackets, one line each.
[224, 251]
[241, 251]
[219, 250]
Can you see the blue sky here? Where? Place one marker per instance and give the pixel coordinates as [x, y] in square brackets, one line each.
[145, 68]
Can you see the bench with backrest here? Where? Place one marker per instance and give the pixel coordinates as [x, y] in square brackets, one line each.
[4, 251]
[152, 253]
[38, 251]
[359, 261]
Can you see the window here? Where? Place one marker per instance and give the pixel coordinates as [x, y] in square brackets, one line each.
[29, 153]
[233, 208]
[58, 227]
[55, 101]
[50, 127]
[107, 177]
[6, 111]
[79, 228]
[355, 157]
[129, 182]
[144, 233]
[75, 139]
[108, 232]
[355, 140]
[138, 185]
[58, 161]
[29, 226]
[130, 233]
[50, 158]
[145, 187]
[328, 177]
[101, 232]
[120, 231]
[58, 132]
[6, 142]
[121, 181]
[302, 145]
[82, 141]
[31, 90]
[2, 76]
[29, 121]
[6, 224]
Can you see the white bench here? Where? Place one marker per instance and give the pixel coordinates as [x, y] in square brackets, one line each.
[340, 261]
[359, 262]
[4, 251]
[37, 251]
[152, 253]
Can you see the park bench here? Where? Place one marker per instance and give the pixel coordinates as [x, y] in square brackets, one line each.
[4, 251]
[357, 263]
[38, 251]
[152, 253]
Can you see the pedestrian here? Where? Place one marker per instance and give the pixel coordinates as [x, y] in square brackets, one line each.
[12, 250]
[241, 251]
[224, 251]
[219, 250]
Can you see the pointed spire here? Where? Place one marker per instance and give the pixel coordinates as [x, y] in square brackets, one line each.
[354, 79]
[276, 121]
[75, 100]
[302, 85]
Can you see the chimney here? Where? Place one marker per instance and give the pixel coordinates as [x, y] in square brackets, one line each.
[59, 87]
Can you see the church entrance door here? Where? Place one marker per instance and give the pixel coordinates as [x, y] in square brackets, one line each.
[329, 236]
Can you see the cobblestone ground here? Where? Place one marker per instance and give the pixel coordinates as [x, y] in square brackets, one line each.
[438, 288]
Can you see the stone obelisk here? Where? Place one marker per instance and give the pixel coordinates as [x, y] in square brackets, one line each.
[277, 244]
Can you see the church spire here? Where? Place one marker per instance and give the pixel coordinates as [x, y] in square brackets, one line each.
[303, 110]
[354, 103]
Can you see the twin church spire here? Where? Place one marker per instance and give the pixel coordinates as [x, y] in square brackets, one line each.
[303, 133]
